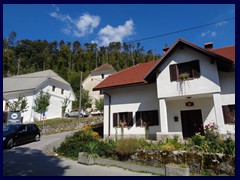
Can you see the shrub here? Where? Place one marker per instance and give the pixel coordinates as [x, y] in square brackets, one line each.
[229, 146]
[168, 147]
[126, 147]
[198, 139]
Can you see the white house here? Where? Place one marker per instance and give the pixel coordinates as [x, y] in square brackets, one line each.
[157, 93]
[94, 78]
[30, 85]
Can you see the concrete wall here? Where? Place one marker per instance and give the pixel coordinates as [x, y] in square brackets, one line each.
[207, 83]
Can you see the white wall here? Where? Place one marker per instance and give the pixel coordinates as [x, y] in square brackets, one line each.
[90, 82]
[227, 81]
[131, 99]
[207, 83]
[29, 96]
[54, 109]
[174, 108]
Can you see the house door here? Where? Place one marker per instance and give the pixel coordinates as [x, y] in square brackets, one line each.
[191, 123]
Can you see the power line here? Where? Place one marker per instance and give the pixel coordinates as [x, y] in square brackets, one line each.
[174, 32]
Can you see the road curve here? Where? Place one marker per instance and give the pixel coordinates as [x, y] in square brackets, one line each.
[30, 160]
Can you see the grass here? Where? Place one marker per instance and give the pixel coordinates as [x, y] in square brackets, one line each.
[58, 121]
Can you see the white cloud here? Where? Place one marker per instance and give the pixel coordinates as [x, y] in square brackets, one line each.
[209, 34]
[79, 27]
[221, 23]
[114, 34]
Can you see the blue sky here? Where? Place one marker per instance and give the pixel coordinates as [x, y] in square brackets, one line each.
[105, 23]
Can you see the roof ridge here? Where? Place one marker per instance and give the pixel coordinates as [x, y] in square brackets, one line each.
[223, 47]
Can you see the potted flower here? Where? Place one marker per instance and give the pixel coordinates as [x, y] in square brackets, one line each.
[184, 76]
[90, 155]
[122, 125]
[146, 125]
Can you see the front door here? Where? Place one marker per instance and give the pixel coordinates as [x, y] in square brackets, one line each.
[191, 123]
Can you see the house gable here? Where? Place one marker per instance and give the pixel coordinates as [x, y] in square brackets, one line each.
[224, 58]
[202, 82]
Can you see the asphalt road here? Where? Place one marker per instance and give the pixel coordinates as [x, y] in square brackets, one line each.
[30, 160]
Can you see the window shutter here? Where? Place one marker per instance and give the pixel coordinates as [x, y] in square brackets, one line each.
[138, 121]
[225, 114]
[155, 118]
[130, 119]
[173, 72]
[195, 69]
[115, 119]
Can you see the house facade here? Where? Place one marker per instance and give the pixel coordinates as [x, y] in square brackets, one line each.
[29, 85]
[94, 78]
[187, 89]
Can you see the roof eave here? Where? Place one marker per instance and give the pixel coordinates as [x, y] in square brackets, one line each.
[120, 86]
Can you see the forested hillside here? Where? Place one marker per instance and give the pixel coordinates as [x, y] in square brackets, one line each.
[68, 59]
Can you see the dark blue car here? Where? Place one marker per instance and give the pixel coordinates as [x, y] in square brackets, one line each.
[17, 134]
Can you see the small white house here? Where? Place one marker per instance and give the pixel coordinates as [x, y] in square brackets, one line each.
[187, 89]
[29, 85]
[94, 78]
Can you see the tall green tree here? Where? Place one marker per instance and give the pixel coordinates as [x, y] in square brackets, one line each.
[99, 103]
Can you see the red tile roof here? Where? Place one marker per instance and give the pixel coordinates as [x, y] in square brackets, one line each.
[227, 52]
[138, 73]
[131, 75]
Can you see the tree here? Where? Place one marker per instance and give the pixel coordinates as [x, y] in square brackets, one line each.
[65, 103]
[100, 104]
[20, 105]
[42, 102]
[86, 99]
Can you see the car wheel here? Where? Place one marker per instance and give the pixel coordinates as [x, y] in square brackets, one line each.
[67, 115]
[10, 144]
[37, 137]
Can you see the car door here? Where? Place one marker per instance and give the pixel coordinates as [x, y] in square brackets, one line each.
[21, 136]
[30, 132]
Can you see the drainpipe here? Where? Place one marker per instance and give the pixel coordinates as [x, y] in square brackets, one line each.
[109, 112]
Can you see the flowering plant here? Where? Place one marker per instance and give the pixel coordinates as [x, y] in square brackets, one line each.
[231, 116]
[122, 124]
[146, 124]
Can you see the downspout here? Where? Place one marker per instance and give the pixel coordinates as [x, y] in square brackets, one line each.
[109, 112]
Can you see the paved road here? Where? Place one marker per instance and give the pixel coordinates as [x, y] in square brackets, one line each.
[30, 160]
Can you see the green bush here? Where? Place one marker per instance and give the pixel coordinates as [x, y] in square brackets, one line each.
[198, 139]
[126, 147]
[229, 146]
[85, 141]
[168, 147]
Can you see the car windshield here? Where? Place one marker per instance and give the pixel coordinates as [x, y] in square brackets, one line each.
[10, 128]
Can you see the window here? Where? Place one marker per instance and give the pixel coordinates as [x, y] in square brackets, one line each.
[53, 88]
[102, 76]
[123, 116]
[229, 114]
[62, 91]
[191, 68]
[150, 117]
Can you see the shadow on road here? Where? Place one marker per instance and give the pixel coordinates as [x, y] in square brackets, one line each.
[23, 161]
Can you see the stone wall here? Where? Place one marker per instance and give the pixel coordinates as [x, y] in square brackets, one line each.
[216, 163]
[52, 129]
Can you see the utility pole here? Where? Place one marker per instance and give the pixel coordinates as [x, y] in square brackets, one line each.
[80, 96]
[19, 60]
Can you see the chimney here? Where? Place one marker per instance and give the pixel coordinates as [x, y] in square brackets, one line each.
[165, 50]
[208, 45]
